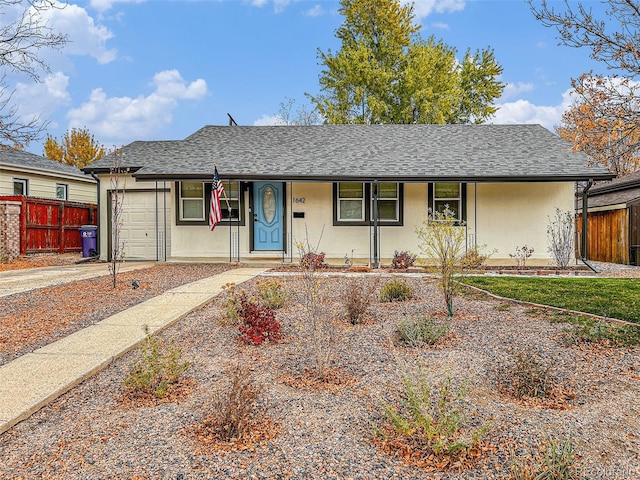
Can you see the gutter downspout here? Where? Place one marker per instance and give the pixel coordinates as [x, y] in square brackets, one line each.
[93, 175]
[585, 223]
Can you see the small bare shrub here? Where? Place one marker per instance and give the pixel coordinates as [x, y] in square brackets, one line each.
[561, 238]
[357, 299]
[234, 407]
[424, 331]
[318, 325]
[474, 258]
[159, 367]
[232, 304]
[272, 293]
[521, 255]
[402, 260]
[395, 291]
[530, 376]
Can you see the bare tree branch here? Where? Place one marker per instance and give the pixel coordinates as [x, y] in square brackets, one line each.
[21, 41]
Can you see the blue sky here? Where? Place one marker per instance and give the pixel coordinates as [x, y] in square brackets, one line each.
[161, 69]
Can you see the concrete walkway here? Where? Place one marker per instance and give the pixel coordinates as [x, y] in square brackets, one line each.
[19, 281]
[35, 379]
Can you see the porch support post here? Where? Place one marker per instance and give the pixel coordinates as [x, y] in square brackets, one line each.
[376, 260]
[240, 194]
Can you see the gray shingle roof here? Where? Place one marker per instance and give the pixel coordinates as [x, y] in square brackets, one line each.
[24, 159]
[362, 152]
[621, 190]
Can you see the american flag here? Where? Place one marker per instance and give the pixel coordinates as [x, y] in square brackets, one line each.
[217, 190]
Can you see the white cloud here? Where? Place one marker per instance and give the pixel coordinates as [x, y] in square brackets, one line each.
[170, 84]
[278, 5]
[125, 118]
[266, 120]
[423, 8]
[104, 5]
[315, 11]
[523, 111]
[40, 100]
[85, 37]
[513, 89]
[440, 25]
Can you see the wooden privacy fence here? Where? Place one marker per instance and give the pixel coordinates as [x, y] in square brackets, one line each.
[608, 235]
[47, 225]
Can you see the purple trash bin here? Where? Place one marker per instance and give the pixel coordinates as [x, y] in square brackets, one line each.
[88, 234]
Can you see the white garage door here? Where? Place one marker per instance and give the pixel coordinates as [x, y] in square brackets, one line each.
[143, 225]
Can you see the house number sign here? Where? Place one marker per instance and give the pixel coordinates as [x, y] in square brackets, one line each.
[299, 200]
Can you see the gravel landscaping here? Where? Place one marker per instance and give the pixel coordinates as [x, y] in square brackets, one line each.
[327, 430]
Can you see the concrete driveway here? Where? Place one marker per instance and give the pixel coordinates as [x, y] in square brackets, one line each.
[19, 281]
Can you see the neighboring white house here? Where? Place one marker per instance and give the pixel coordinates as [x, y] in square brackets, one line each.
[24, 173]
[351, 190]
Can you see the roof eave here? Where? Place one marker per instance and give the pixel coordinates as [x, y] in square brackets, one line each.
[380, 178]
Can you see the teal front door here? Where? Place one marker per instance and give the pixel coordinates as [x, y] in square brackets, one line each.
[267, 216]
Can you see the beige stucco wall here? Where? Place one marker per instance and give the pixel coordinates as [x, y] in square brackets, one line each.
[44, 185]
[511, 215]
[500, 216]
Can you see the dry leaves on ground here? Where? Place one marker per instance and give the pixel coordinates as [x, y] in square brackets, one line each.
[36, 318]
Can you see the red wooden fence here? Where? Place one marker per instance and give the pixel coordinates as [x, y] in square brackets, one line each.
[52, 225]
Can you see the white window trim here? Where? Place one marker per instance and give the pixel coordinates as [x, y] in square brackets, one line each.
[66, 191]
[457, 199]
[206, 192]
[182, 199]
[361, 199]
[25, 185]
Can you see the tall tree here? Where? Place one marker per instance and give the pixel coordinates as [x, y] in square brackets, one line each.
[602, 122]
[385, 72]
[21, 40]
[605, 118]
[77, 148]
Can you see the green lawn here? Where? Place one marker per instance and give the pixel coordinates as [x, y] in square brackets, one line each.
[610, 297]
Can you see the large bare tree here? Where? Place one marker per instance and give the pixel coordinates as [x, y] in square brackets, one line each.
[22, 39]
[604, 120]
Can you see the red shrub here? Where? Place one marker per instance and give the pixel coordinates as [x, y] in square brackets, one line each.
[313, 261]
[259, 323]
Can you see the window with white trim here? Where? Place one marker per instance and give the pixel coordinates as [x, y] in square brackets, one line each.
[351, 205]
[193, 199]
[354, 203]
[20, 186]
[451, 194]
[62, 191]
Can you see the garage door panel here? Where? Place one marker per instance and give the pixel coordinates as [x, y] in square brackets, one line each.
[142, 229]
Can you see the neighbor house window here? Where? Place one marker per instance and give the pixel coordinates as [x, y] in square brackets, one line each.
[62, 191]
[20, 186]
[354, 203]
[448, 194]
[193, 200]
